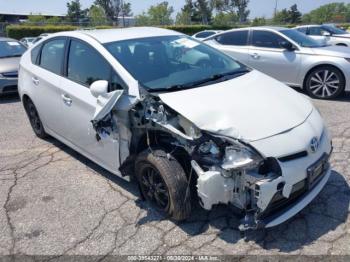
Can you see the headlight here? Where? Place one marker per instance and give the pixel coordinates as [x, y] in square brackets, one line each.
[239, 156]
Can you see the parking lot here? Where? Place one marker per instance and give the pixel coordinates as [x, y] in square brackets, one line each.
[56, 202]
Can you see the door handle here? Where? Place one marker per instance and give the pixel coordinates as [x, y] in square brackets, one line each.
[67, 100]
[255, 56]
[35, 80]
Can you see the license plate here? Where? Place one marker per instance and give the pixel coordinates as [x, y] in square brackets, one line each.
[317, 171]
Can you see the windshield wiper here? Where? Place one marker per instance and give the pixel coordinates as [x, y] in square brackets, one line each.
[202, 82]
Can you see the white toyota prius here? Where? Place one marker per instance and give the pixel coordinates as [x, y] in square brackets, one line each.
[186, 120]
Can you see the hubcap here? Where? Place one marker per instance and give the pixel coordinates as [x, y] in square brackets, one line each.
[154, 188]
[324, 83]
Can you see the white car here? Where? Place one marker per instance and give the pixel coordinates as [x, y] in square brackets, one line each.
[179, 115]
[206, 33]
[291, 57]
[326, 33]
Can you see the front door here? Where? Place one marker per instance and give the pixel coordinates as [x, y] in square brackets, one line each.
[84, 66]
[267, 56]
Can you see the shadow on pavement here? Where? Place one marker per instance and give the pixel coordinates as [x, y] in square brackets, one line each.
[325, 214]
[8, 99]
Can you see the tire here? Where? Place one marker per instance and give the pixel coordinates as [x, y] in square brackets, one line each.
[168, 193]
[325, 82]
[34, 119]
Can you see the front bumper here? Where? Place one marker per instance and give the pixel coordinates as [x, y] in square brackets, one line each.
[8, 85]
[299, 204]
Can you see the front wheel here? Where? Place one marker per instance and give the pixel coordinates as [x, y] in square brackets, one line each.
[163, 183]
[325, 82]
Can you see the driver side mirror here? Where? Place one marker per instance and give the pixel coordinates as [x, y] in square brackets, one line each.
[287, 45]
[99, 88]
[327, 34]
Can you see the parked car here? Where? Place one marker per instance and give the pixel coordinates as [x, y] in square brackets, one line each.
[179, 115]
[27, 41]
[204, 34]
[37, 39]
[291, 57]
[10, 53]
[329, 34]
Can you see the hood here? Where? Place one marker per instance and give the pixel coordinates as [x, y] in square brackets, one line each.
[10, 64]
[342, 36]
[251, 107]
[335, 51]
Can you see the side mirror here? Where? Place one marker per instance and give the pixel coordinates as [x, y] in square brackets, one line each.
[327, 34]
[99, 88]
[287, 45]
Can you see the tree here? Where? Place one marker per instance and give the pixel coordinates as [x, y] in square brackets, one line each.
[159, 14]
[183, 18]
[36, 19]
[114, 8]
[281, 17]
[97, 15]
[242, 10]
[225, 19]
[334, 12]
[294, 15]
[54, 20]
[205, 10]
[106, 5]
[259, 21]
[74, 12]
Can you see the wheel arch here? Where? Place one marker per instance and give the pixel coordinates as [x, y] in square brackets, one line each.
[319, 66]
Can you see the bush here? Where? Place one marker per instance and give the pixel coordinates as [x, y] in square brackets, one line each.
[20, 31]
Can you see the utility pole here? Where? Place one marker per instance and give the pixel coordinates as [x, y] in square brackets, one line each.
[276, 5]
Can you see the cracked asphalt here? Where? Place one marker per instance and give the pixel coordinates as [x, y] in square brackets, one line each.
[55, 202]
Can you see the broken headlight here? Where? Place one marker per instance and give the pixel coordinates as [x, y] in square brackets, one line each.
[239, 156]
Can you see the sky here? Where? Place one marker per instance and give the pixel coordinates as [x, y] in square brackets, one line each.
[257, 7]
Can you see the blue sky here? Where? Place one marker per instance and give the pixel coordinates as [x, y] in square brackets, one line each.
[257, 7]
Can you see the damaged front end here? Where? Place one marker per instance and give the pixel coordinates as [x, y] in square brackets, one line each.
[229, 170]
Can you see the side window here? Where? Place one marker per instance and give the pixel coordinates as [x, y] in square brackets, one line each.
[266, 39]
[34, 54]
[233, 38]
[302, 29]
[86, 65]
[52, 55]
[315, 31]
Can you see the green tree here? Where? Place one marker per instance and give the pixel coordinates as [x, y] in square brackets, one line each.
[74, 11]
[225, 19]
[106, 5]
[205, 10]
[159, 14]
[54, 20]
[294, 15]
[183, 18]
[334, 12]
[239, 7]
[36, 19]
[281, 17]
[259, 21]
[242, 10]
[97, 15]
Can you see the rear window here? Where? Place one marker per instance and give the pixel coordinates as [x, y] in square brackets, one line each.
[233, 38]
[11, 48]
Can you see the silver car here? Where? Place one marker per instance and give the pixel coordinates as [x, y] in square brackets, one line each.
[10, 53]
[291, 57]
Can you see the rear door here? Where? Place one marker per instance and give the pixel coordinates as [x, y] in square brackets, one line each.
[84, 65]
[267, 56]
[46, 75]
[235, 44]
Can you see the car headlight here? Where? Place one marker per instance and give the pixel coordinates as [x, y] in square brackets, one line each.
[239, 156]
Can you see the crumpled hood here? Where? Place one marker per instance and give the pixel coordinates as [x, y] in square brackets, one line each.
[335, 51]
[251, 107]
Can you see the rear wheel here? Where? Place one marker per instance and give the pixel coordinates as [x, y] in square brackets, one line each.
[34, 119]
[163, 183]
[325, 82]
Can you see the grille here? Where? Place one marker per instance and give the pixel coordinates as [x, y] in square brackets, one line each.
[293, 157]
[9, 89]
[10, 74]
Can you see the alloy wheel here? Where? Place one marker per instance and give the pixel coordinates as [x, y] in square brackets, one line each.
[34, 117]
[324, 83]
[154, 188]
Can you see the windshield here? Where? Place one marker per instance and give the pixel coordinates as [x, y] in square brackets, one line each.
[11, 49]
[334, 30]
[171, 63]
[301, 39]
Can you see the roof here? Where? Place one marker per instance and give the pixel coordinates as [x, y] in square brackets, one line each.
[112, 35]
